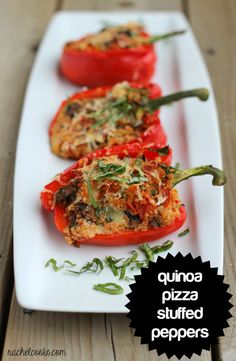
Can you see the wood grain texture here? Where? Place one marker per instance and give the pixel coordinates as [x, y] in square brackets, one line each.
[214, 24]
[84, 337]
[121, 5]
[22, 23]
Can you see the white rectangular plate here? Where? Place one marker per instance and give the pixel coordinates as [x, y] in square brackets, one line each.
[193, 133]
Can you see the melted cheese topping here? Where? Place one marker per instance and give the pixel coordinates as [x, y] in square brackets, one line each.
[129, 35]
[84, 125]
[112, 195]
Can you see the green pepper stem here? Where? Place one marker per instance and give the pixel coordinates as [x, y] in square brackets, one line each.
[159, 37]
[219, 177]
[200, 93]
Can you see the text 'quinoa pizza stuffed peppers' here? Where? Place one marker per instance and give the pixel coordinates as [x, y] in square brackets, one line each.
[114, 54]
[119, 196]
[108, 116]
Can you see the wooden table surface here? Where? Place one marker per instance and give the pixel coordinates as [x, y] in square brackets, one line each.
[92, 337]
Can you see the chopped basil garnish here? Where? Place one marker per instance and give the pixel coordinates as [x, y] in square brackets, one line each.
[113, 262]
[118, 266]
[109, 287]
[96, 265]
[91, 197]
[184, 233]
[108, 170]
[57, 268]
[139, 264]
[90, 193]
[69, 263]
[151, 251]
[162, 248]
[112, 112]
[122, 107]
[146, 249]
[127, 263]
[53, 263]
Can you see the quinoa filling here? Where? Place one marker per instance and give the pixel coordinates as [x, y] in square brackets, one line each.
[113, 195]
[129, 35]
[84, 125]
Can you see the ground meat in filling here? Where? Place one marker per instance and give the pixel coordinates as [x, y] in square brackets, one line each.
[129, 35]
[112, 195]
[87, 124]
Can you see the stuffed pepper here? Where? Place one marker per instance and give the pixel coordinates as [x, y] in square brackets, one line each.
[108, 116]
[118, 196]
[114, 54]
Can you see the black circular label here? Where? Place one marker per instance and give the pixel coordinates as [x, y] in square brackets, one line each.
[179, 305]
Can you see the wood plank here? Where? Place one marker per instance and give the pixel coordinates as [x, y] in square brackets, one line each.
[22, 23]
[214, 24]
[122, 5]
[81, 336]
[84, 337]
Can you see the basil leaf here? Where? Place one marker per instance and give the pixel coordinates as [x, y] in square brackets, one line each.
[139, 264]
[184, 233]
[116, 110]
[146, 249]
[93, 266]
[109, 170]
[96, 266]
[69, 263]
[53, 263]
[74, 272]
[90, 193]
[57, 268]
[129, 279]
[112, 262]
[162, 248]
[107, 167]
[109, 287]
[127, 263]
[138, 179]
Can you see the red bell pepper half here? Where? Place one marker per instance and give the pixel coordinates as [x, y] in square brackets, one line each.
[73, 136]
[95, 67]
[132, 150]
[113, 55]
[153, 133]
[50, 193]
